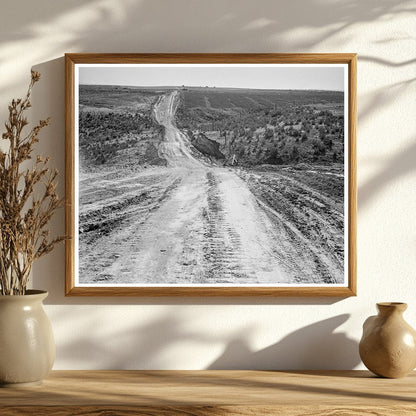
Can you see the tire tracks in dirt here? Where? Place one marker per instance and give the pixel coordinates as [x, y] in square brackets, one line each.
[206, 228]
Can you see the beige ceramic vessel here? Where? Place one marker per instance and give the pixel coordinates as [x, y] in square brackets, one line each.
[27, 347]
[388, 344]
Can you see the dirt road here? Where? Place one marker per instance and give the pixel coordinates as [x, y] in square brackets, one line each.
[204, 227]
[210, 228]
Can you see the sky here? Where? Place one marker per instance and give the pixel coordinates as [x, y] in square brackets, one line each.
[309, 77]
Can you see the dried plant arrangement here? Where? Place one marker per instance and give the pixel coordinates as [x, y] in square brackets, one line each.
[28, 199]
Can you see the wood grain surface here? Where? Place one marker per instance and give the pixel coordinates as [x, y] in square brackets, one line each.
[213, 393]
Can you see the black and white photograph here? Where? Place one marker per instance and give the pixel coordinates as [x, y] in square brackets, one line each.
[211, 175]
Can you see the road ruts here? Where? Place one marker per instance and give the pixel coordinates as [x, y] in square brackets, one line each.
[208, 229]
[223, 250]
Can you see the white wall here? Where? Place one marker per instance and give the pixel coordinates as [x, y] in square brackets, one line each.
[198, 333]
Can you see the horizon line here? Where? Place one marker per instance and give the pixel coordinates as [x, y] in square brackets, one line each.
[209, 87]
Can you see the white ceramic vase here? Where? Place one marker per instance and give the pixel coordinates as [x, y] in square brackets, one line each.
[27, 347]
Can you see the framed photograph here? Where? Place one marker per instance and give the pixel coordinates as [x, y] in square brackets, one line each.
[211, 174]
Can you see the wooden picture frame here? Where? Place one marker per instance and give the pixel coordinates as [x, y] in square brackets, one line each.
[98, 102]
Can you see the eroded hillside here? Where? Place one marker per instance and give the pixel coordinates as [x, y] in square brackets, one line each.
[267, 127]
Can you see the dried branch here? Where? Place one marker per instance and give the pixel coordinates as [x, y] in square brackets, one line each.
[23, 218]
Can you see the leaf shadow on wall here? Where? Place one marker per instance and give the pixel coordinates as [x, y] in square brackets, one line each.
[151, 23]
[241, 28]
[191, 26]
[315, 346]
[396, 167]
[144, 346]
[403, 162]
[383, 97]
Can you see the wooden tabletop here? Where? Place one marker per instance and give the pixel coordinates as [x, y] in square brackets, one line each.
[253, 393]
